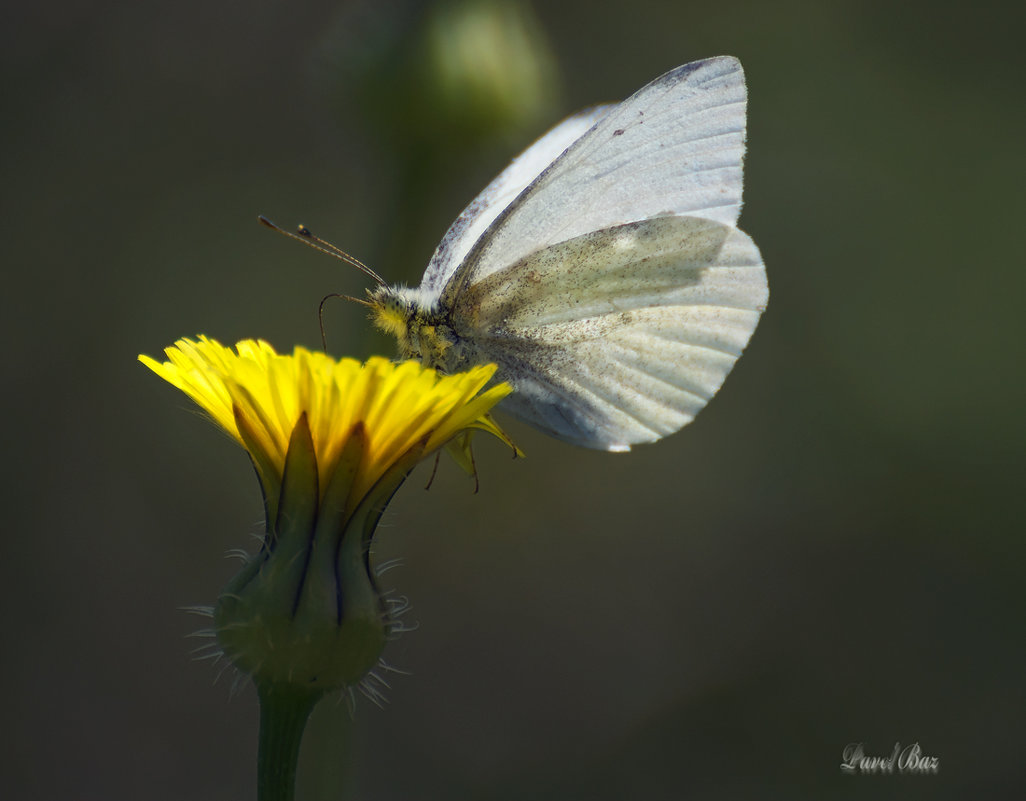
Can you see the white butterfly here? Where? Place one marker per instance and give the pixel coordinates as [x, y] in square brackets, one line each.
[602, 270]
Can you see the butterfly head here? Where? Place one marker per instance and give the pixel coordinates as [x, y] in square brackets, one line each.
[392, 311]
[422, 332]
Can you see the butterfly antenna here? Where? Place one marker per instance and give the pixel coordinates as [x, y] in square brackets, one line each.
[307, 237]
[320, 312]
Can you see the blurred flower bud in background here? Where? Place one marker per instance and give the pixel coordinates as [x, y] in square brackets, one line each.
[488, 72]
[433, 86]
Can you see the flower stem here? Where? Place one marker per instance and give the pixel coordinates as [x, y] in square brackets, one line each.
[283, 714]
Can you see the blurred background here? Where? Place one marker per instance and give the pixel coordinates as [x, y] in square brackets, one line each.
[832, 553]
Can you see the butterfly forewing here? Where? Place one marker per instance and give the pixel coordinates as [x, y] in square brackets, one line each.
[674, 147]
[495, 197]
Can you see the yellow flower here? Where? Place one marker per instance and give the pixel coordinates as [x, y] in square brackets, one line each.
[258, 396]
[331, 442]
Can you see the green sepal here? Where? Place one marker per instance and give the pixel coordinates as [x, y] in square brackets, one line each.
[461, 450]
[306, 612]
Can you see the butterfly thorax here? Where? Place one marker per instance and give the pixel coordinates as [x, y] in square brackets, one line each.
[421, 329]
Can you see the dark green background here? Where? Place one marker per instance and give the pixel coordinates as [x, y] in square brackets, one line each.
[832, 553]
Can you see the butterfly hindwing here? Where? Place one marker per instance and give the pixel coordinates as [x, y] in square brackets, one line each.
[622, 335]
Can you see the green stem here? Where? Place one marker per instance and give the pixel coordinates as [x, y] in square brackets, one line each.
[283, 714]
